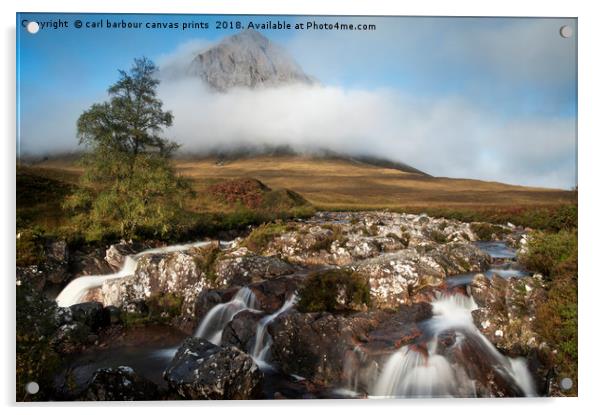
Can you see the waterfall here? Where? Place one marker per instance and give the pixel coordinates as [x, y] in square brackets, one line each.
[218, 317]
[263, 340]
[413, 373]
[418, 371]
[79, 287]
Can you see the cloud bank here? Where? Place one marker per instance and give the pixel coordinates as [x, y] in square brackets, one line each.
[444, 137]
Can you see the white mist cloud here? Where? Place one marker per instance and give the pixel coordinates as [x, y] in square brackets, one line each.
[444, 137]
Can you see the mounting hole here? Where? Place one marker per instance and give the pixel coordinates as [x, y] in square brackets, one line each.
[566, 31]
[33, 27]
[32, 388]
[566, 384]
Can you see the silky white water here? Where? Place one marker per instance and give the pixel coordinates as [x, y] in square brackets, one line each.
[212, 326]
[74, 292]
[420, 372]
[263, 340]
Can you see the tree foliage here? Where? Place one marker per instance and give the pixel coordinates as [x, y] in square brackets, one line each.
[129, 186]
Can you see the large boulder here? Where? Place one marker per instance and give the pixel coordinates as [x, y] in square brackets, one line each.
[241, 331]
[303, 342]
[92, 315]
[202, 370]
[119, 384]
[242, 267]
[396, 278]
[493, 374]
[89, 262]
[176, 273]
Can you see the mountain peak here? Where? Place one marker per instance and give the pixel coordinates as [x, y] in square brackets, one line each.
[246, 59]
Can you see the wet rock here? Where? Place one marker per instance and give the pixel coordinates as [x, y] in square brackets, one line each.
[271, 294]
[242, 267]
[240, 332]
[119, 384]
[92, 315]
[481, 363]
[303, 343]
[201, 370]
[506, 313]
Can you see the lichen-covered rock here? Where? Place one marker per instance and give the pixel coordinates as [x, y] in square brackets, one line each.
[396, 278]
[341, 238]
[201, 370]
[506, 312]
[119, 384]
[242, 267]
[174, 273]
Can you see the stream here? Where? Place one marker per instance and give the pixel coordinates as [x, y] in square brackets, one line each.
[419, 369]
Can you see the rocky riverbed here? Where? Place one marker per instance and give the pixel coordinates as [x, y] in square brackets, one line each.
[344, 304]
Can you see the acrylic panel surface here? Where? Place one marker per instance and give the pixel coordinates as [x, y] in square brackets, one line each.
[302, 207]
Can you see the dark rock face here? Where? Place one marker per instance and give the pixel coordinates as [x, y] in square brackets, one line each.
[240, 332]
[247, 59]
[271, 294]
[201, 370]
[120, 384]
[481, 364]
[91, 262]
[57, 261]
[330, 349]
[92, 315]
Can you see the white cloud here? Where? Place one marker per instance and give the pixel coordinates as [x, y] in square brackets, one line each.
[444, 137]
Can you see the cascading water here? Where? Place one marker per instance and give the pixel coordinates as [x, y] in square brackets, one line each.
[419, 371]
[263, 340]
[218, 317]
[77, 289]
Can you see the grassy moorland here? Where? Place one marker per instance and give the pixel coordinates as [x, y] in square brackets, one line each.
[336, 184]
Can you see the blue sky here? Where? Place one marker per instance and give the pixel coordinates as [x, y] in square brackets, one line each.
[497, 77]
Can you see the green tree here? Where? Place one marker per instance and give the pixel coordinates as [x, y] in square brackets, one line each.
[129, 186]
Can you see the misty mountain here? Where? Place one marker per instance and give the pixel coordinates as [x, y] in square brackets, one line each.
[247, 59]
[224, 156]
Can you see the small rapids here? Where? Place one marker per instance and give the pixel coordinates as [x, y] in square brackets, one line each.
[213, 324]
[420, 371]
[263, 340]
[79, 287]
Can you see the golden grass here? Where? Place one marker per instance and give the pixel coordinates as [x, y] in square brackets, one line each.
[340, 184]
